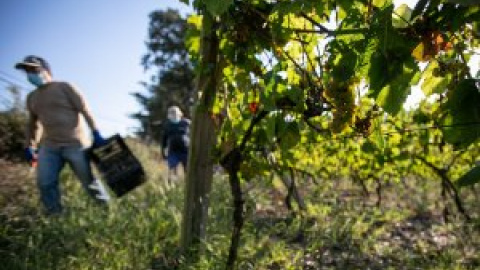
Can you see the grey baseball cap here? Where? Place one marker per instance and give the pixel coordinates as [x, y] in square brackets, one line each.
[33, 61]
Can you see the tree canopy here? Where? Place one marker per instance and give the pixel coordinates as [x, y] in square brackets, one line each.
[172, 72]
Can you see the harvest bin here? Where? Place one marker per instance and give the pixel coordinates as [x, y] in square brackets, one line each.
[119, 167]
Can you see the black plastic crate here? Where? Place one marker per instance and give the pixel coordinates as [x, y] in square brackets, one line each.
[119, 167]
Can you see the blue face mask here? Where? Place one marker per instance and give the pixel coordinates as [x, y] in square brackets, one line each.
[174, 117]
[36, 79]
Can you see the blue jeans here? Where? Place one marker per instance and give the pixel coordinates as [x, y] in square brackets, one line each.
[173, 160]
[176, 158]
[51, 161]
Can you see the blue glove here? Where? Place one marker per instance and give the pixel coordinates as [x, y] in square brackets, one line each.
[98, 140]
[30, 154]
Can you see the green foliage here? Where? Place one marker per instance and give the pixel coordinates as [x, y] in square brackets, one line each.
[333, 93]
[470, 178]
[217, 7]
[434, 83]
[401, 16]
[462, 114]
[12, 135]
[392, 96]
[371, 44]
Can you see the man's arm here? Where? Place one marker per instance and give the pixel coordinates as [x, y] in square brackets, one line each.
[80, 104]
[32, 131]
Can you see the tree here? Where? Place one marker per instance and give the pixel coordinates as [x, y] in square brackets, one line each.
[172, 82]
[203, 139]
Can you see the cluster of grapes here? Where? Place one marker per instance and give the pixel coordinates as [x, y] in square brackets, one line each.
[314, 102]
[342, 98]
[449, 67]
[363, 125]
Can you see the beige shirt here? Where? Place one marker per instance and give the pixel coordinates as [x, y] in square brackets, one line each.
[57, 107]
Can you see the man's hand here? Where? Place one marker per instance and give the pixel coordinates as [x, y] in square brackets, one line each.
[98, 140]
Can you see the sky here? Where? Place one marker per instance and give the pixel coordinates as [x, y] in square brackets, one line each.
[97, 45]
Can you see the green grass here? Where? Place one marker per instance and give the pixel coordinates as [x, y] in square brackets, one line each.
[141, 230]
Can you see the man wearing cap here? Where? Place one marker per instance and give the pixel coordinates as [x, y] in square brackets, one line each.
[56, 107]
[176, 140]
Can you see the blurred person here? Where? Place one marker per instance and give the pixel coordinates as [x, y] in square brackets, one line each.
[176, 140]
[56, 107]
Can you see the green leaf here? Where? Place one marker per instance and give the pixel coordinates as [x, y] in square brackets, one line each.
[262, 137]
[381, 3]
[290, 135]
[470, 178]
[421, 117]
[433, 84]
[463, 114]
[380, 159]
[269, 95]
[401, 16]
[402, 156]
[270, 128]
[343, 62]
[378, 73]
[187, 2]
[346, 7]
[296, 95]
[369, 147]
[286, 7]
[216, 7]
[393, 95]
[378, 136]
[424, 137]
[457, 17]
[192, 37]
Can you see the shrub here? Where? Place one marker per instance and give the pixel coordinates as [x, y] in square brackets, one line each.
[12, 135]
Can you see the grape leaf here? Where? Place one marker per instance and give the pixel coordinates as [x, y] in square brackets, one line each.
[401, 16]
[378, 73]
[463, 114]
[392, 96]
[469, 178]
[192, 37]
[216, 7]
[419, 53]
[381, 3]
[378, 136]
[270, 128]
[290, 135]
[344, 61]
[369, 147]
[434, 84]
